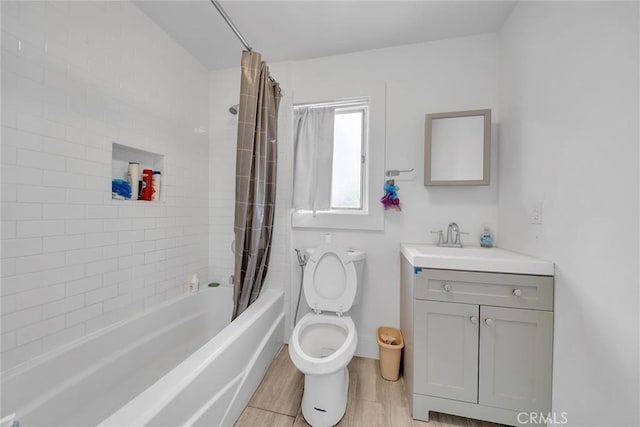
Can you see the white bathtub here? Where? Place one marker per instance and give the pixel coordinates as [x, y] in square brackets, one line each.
[180, 364]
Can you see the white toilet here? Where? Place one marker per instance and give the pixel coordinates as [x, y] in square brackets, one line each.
[323, 342]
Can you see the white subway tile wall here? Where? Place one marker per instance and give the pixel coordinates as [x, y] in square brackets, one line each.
[76, 77]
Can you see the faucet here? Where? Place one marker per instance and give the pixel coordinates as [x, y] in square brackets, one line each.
[453, 239]
[453, 228]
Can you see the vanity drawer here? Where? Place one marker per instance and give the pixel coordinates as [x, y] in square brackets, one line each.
[504, 290]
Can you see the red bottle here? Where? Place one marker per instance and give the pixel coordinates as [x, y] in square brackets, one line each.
[147, 186]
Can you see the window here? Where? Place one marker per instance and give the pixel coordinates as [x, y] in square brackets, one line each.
[345, 187]
[338, 156]
[347, 174]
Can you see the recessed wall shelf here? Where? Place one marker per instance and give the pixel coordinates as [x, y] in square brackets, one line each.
[121, 155]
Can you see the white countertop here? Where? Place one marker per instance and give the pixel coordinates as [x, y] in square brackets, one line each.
[475, 258]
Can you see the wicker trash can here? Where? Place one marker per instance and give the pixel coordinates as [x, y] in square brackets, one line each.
[390, 343]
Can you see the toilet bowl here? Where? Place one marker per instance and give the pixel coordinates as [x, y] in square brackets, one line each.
[324, 341]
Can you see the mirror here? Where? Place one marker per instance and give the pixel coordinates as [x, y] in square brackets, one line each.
[457, 148]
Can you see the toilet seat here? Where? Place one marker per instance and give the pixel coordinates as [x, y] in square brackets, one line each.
[323, 365]
[330, 280]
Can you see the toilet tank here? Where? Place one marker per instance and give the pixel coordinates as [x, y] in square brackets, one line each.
[358, 257]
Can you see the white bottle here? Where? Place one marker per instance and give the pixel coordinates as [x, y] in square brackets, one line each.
[133, 175]
[194, 283]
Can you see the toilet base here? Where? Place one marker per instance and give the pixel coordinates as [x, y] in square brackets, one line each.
[324, 400]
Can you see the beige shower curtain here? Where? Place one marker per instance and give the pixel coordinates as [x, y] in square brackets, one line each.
[256, 159]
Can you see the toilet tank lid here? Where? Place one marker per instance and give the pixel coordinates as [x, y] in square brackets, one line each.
[352, 254]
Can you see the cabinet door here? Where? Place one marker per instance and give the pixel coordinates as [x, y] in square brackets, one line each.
[515, 359]
[446, 350]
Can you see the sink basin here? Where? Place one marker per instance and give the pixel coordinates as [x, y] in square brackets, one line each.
[475, 258]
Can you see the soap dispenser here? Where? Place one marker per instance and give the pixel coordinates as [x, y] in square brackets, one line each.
[486, 240]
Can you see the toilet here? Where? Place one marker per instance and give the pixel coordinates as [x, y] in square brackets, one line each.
[323, 342]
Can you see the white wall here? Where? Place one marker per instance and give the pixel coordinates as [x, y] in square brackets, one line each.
[569, 137]
[89, 74]
[448, 75]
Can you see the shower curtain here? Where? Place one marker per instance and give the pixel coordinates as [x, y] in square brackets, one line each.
[256, 159]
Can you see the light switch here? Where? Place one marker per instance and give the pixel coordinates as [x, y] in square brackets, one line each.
[536, 213]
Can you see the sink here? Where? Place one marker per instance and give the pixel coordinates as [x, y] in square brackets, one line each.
[475, 258]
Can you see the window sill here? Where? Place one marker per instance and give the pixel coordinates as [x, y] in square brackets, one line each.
[355, 220]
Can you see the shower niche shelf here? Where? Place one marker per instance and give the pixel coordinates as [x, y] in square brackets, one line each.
[121, 155]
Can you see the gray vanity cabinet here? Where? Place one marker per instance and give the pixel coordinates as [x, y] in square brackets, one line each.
[477, 344]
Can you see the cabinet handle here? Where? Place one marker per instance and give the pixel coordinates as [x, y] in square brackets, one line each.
[473, 319]
[517, 292]
[446, 287]
[488, 321]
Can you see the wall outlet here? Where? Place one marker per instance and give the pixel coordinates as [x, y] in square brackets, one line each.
[536, 213]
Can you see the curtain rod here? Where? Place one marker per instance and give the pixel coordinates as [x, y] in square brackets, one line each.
[230, 24]
[341, 103]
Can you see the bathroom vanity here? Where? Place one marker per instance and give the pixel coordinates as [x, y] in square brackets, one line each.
[478, 330]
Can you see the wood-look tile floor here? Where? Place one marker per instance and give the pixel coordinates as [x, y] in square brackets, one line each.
[372, 402]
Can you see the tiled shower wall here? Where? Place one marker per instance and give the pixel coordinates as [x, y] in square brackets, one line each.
[77, 77]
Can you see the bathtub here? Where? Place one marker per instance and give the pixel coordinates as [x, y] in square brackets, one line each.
[180, 364]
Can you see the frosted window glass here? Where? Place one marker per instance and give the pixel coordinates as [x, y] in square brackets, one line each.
[346, 179]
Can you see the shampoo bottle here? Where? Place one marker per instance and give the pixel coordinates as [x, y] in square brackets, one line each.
[133, 175]
[194, 283]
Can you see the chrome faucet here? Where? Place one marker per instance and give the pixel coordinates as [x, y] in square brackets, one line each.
[453, 239]
[453, 228]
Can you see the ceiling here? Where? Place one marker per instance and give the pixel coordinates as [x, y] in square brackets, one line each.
[292, 30]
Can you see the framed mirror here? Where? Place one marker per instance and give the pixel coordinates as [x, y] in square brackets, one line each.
[457, 149]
